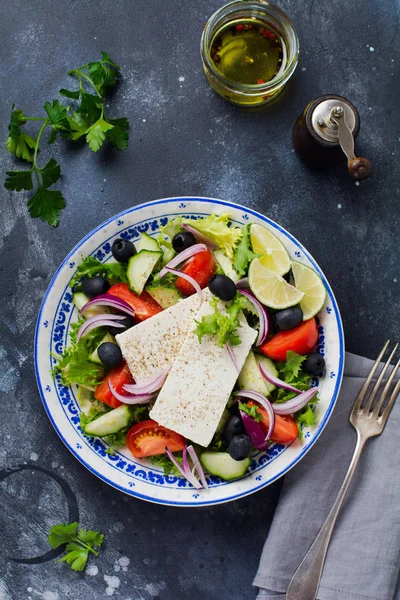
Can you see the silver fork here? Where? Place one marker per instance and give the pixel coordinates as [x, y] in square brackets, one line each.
[368, 417]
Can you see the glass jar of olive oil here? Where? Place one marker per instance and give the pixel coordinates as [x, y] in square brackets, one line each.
[249, 51]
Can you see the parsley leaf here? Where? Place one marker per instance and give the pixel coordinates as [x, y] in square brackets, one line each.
[70, 94]
[50, 173]
[18, 180]
[118, 135]
[96, 134]
[243, 254]
[104, 73]
[78, 543]
[224, 325]
[252, 411]
[47, 205]
[91, 267]
[89, 120]
[90, 106]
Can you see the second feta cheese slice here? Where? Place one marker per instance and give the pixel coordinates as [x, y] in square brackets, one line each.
[195, 393]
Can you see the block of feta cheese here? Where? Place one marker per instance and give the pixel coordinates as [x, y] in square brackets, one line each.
[195, 393]
[152, 346]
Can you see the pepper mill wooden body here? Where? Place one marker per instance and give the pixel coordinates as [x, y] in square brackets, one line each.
[324, 134]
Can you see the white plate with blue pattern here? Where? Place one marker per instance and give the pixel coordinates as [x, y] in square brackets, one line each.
[136, 477]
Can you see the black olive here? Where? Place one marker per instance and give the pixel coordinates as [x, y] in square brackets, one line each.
[240, 447]
[222, 286]
[234, 426]
[122, 250]
[95, 286]
[183, 241]
[127, 322]
[288, 318]
[314, 364]
[110, 355]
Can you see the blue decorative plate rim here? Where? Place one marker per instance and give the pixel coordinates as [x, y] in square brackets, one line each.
[339, 375]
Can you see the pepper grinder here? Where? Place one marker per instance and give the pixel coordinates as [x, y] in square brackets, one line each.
[324, 135]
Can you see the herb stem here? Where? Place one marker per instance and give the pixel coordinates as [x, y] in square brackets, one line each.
[36, 118]
[86, 546]
[43, 127]
[90, 81]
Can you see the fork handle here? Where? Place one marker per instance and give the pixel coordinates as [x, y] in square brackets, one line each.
[304, 583]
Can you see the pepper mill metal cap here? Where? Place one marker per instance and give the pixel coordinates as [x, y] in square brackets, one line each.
[328, 126]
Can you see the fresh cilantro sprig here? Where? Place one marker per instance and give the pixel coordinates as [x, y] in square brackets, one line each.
[222, 324]
[87, 119]
[78, 543]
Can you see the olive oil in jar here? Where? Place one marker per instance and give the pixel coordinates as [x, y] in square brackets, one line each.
[248, 52]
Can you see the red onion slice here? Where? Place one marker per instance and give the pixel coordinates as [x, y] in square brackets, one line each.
[262, 315]
[295, 404]
[243, 283]
[181, 257]
[109, 300]
[200, 236]
[149, 386]
[265, 403]
[192, 281]
[139, 399]
[276, 381]
[184, 468]
[254, 431]
[197, 466]
[104, 320]
[232, 356]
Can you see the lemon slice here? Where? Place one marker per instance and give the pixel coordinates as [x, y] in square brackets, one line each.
[308, 282]
[274, 255]
[271, 289]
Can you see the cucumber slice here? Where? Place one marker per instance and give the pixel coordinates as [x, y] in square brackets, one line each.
[80, 299]
[250, 377]
[148, 243]
[226, 265]
[94, 357]
[140, 267]
[165, 296]
[271, 369]
[222, 465]
[111, 422]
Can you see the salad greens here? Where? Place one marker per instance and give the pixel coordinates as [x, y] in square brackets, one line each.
[78, 543]
[252, 411]
[243, 253]
[284, 348]
[223, 325]
[216, 227]
[74, 365]
[91, 267]
[88, 119]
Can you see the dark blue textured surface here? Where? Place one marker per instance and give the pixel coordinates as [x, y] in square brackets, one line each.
[183, 140]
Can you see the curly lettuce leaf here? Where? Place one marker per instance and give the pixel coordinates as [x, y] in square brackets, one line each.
[217, 229]
[223, 325]
[243, 253]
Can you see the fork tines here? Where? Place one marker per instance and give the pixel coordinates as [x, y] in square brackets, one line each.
[379, 408]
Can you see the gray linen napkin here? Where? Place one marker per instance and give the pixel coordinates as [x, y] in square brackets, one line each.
[363, 559]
